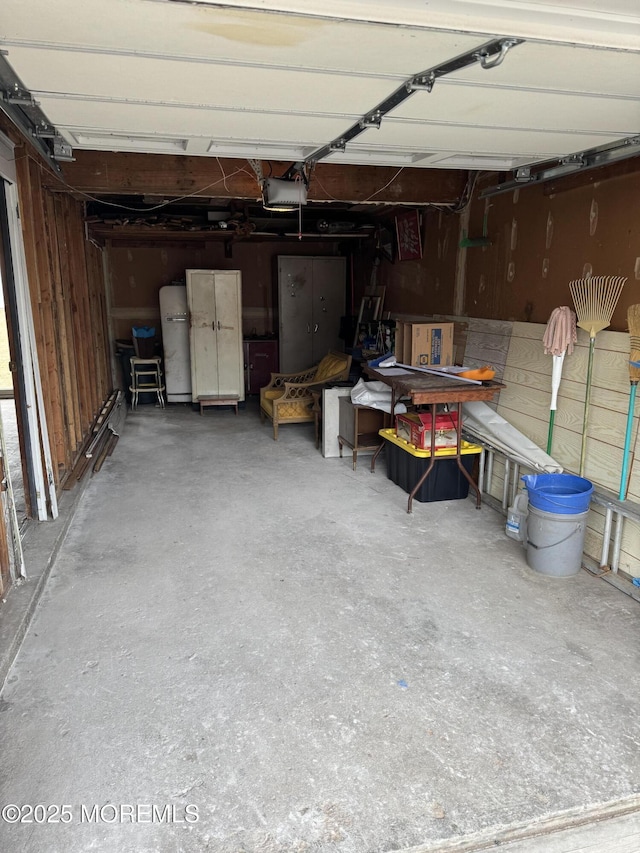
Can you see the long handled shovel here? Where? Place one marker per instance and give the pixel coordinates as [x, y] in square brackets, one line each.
[595, 300]
[633, 318]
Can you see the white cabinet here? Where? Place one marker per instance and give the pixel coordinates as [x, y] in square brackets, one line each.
[214, 299]
[311, 301]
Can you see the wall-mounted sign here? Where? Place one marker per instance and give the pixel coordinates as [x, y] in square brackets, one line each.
[408, 235]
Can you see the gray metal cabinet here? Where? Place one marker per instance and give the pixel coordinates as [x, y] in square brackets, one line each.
[311, 301]
[214, 299]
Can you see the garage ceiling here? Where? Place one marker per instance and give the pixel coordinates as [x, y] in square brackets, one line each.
[282, 80]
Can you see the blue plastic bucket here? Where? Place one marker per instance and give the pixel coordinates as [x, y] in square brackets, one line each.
[564, 494]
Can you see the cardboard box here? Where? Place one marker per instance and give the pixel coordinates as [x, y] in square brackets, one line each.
[416, 429]
[424, 344]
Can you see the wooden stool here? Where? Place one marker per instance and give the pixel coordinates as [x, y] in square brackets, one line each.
[218, 400]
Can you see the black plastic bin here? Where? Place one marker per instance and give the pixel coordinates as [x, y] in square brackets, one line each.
[406, 464]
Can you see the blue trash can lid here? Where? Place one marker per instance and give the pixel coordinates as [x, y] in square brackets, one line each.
[558, 493]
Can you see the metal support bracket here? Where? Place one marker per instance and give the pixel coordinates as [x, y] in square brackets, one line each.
[24, 111]
[492, 60]
[488, 55]
[568, 165]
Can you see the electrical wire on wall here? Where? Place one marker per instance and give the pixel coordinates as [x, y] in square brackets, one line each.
[467, 193]
[223, 180]
[302, 178]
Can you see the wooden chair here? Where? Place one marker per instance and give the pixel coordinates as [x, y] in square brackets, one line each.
[287, 399]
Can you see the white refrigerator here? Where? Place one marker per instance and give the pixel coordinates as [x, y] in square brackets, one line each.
[174, 315]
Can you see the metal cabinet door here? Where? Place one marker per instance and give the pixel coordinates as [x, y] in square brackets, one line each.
[202, 334]
[295, 295]
[261, 360]
[215, 332]
[312, 298]
[328, 305]
[228, 321]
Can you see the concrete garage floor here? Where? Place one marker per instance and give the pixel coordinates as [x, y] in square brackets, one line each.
[243, 629]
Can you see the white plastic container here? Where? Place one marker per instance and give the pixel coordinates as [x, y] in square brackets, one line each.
[555, 542]
[516, 526]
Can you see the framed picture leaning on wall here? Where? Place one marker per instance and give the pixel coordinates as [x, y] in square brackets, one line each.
[369, 309]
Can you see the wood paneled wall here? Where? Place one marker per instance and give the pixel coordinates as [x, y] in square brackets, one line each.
[66, 285]
[525, 400]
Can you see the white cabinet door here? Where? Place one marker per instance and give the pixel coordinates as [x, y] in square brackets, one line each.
[229, 333]
[202, 335]
[215, 333]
